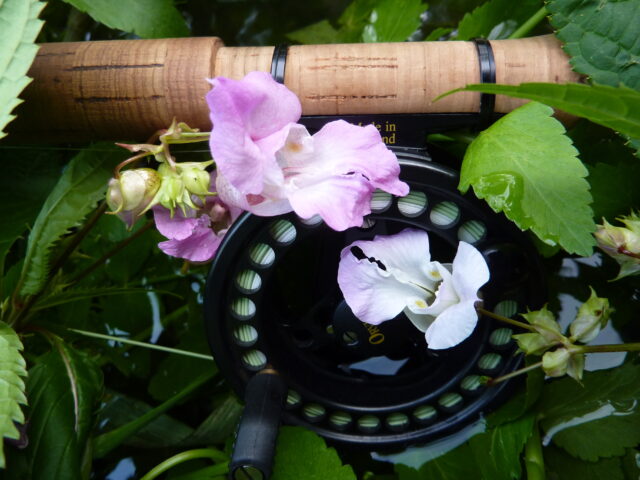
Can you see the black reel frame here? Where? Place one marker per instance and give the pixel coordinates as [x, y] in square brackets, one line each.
[282, 334]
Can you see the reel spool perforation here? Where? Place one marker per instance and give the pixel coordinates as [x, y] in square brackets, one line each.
[253, 323]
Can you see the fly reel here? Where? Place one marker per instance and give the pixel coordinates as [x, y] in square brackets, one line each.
[272, 301]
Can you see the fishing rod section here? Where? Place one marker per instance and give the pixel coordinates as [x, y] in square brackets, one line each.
[129, 89]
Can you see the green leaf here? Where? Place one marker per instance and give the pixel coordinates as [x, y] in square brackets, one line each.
[601, 36]
[393, 20]
[496, 19]
[145, 18]
[24, 186]
[615, 108]
[81, 186]
[614, 188]
[601, 419]
[561, 466]
[301, 453]
[19, 27]
[525, 166]
[63, 389]
[497, 452]
[12, 367]
[318, 33]
[456, 464]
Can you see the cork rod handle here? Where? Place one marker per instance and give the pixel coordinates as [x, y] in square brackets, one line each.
[128, 89]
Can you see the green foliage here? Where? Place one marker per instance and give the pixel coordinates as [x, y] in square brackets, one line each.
[63, 389]
[615, 108]
[79, 189]
[366, 21]
[393, 20]
[496, 19]
[145, 18]
[301, 453]
[525, 166]
[78, 294]
[19, 27]
[522, 401]
[599, 419]
[12, 367]
[561, 466]
[601, 36]
[492, 455]
[614, 188]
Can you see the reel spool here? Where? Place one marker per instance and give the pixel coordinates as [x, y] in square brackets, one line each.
[272, 301]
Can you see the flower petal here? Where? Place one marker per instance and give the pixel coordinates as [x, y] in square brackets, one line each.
[373, 294]
[200, 246]
[452, 326]
[177, 228]
[341, 147]
[470, 272]
[251, 119]
[256, 204]
[342, 200]
[405, 254]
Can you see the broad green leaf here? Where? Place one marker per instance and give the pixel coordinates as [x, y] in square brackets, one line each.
[601, 36]
[19, 27]
[522, 401]
[599, 419]
[12, 368]
[318, 33]
[354, 18]
[525, 166]
[438, 33]
[561, 466]
[615, 108]
[300, 453]
[496, 19]
[63, 389]
[82, 184]
[457, 464]
[164, 431]
[145, 18]
[393, 20]
[614, 188]
[631, 464]
[497, 451]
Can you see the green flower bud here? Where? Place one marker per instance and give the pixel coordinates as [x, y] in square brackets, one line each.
[575, 367]
[195, 178]
[532, 343]
[592, 316]
[133, 192]
[545, 324]
[622, 244]
[555, 363]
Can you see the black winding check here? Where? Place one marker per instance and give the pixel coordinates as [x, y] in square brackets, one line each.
[487, 75]
[278, 62]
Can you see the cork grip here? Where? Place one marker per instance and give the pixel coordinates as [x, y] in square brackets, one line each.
[128, 89]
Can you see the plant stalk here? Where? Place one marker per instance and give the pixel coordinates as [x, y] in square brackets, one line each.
[515, 373]
[530, 24]
[212, 453]
[533, 458]
[510, 321]
[622, 347]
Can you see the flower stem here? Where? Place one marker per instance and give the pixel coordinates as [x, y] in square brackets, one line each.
[622, 347]
[135, 158]
[530, 24]
[533, 458]
[501, 318]
[515, 373]
[211, 453]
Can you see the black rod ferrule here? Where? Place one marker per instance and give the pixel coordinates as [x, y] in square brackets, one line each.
[278, 62]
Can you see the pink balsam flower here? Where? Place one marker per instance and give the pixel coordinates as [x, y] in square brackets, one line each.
[270, 165]
[393, 274]
[195, 234]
